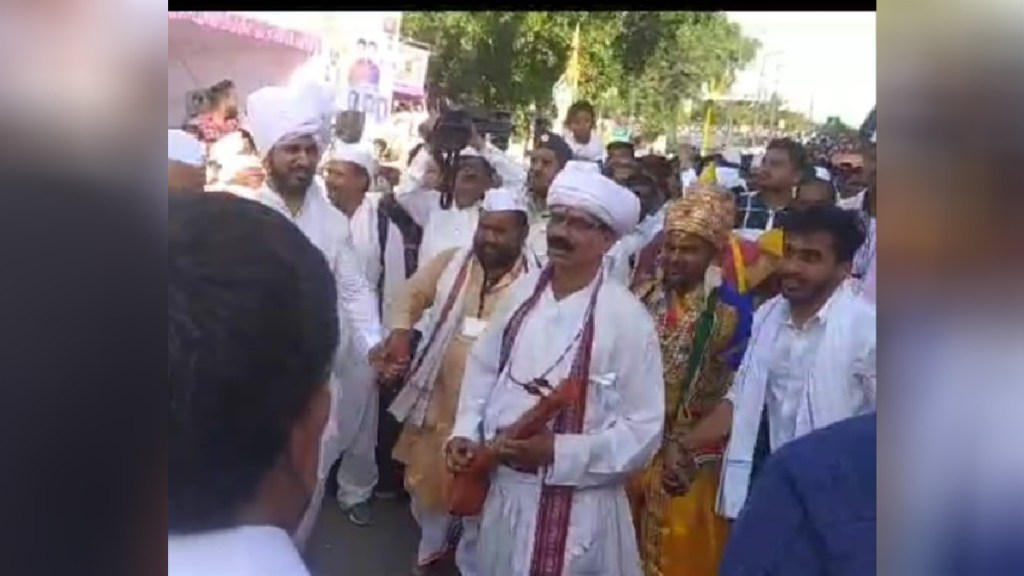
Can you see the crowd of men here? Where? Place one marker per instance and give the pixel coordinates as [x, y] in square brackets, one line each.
[586, 366]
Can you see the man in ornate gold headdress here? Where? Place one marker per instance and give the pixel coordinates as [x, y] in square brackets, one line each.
[674, 499]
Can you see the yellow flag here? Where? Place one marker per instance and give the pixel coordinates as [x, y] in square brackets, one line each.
[572, 71]
[709, 176]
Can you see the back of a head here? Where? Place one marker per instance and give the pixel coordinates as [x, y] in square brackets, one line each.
[844, 226]
[252, 328]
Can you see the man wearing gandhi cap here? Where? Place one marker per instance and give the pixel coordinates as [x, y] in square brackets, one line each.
[557, 502]
[674, 499]
[287, 127]
[348, 172]
[453, 296]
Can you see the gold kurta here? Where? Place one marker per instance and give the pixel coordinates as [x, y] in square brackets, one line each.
[683, 536]
[420, 448]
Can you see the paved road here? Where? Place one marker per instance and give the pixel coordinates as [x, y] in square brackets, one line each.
[388, 548]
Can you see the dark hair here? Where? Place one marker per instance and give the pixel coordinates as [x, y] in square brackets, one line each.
[845, 227]
[252, 327]
[794, 151]
[580, 106]
[220, 91]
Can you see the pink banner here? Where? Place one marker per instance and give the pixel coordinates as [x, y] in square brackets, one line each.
[243, 26]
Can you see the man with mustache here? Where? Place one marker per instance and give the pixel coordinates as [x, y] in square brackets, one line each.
[287, 127]
[810, 361]
[557, 502]
[453, 296]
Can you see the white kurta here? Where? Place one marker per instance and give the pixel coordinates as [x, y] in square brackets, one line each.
[447, 229]
[358, 320]
[622, 427]
[357, 414]
[808, 378]
[244, 551]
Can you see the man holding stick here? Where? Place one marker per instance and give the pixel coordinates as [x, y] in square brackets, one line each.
[556, 503]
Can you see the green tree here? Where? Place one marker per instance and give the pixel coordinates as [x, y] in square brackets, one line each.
[647, 62]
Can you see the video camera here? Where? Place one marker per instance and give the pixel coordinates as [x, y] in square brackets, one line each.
[452, 133]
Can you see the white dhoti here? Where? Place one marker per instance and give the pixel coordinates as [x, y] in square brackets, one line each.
[601, 539]
[439, 532]
[357, 472]
[356, 429]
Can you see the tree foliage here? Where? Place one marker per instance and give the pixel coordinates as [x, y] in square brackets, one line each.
[639, 63]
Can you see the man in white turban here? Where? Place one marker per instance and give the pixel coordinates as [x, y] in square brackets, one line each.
[286, 129]
[348, 172]
[453, 296]
[186, 161]
[557, 501]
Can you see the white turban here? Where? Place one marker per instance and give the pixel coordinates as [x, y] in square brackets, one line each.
[185, 148]
[597, 195]
[503, 200]
[277, 114]
[357, 155]
[320, 96]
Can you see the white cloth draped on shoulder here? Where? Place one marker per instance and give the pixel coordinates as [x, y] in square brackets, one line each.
[841, 382]
[622, 425]
[244, 551]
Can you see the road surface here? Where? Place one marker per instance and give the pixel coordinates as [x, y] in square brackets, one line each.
[388, 548]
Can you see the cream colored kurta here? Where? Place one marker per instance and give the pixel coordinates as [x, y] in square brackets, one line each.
[419, 448]
[622, 427]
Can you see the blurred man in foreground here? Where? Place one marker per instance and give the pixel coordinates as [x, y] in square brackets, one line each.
[251, 334]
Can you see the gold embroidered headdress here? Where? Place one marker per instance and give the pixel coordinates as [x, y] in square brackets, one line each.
[704, 212]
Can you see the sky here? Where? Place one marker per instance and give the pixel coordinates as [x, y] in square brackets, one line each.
[817, 61]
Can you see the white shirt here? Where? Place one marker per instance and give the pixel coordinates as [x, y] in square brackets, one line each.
[445, 229]
[688, 178]
[364, 226]
[795, 353]
[244, 551]
[327, 228]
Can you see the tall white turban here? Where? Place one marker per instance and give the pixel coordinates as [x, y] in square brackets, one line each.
[277, 114]
[185, 148]
[357, 155]
[597, 195]
[503, 200]
[320, 96]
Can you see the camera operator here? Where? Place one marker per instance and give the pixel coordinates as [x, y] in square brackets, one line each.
[444, 198]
